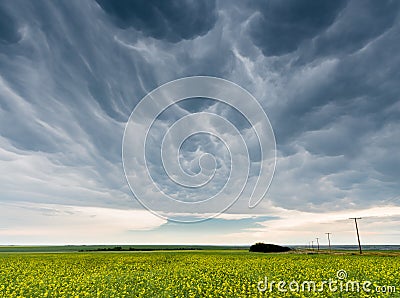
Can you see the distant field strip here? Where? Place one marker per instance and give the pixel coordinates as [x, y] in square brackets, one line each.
[192, 274]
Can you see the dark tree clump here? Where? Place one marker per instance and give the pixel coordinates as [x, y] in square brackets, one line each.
[262, 247]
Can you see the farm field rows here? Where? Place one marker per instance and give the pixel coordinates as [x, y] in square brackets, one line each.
[194, 274]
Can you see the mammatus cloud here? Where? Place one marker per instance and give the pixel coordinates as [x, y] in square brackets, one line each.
[190, 193]
[172, 21]
[9, 32]
[279, 27]
[358, 24]
[318, 29]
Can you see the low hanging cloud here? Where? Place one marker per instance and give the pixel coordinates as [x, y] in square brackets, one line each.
[279, 27]
[168, 20]
[359, 23]
[9, 29]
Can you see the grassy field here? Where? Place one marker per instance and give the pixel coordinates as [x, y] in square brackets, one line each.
[80, 248]
[211, 273]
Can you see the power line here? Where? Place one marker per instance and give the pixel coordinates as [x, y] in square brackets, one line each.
[358, 235]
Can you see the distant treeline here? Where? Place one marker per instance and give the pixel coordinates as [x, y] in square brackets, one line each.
[120, 248]
[115, 247]
[263, 247]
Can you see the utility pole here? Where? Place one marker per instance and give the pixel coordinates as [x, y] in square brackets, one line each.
[318, 243]
[312, 245]
[358, 235]
[329, 241]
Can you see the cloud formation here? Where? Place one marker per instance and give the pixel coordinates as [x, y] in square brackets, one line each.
[326, 73]
[9, 32]
[279, 27]
[168, 20]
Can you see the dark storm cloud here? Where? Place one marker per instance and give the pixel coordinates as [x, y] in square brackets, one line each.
[59, 105]
[8, 27]
[319, 28]
[356, 90]
[359, 23]
[169, 20]
[71, 64]
[332, 100]
[327, 75]
[67, 88]
[280, 27]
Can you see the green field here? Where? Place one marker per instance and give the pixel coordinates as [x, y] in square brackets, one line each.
[213, 273]
[80, 248]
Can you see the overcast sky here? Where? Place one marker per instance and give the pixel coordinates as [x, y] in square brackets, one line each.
[327, 74]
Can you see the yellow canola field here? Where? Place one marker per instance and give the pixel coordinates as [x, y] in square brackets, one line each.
[197, 274]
